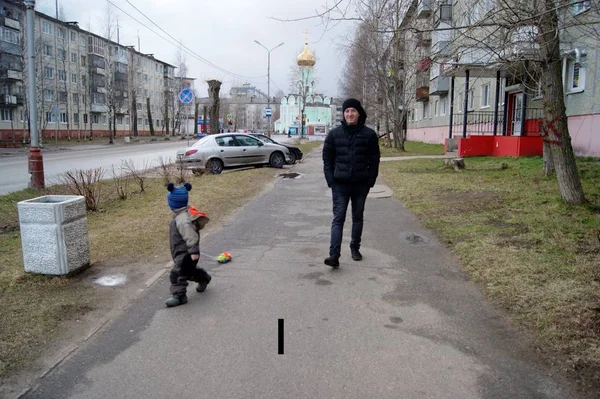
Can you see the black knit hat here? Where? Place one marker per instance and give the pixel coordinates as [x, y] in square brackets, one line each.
[354, 103]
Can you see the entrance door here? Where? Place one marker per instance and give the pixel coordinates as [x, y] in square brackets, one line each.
[517, 114]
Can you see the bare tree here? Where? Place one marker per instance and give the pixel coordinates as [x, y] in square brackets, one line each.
[114, 87]
[214, 86]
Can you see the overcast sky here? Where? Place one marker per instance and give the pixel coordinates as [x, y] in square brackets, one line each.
[223, 32]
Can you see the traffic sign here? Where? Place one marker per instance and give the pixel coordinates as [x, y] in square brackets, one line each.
[268, 112]
[186, 96]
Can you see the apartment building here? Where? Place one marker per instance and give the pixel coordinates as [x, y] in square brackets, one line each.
[86, 84]
[484, 80]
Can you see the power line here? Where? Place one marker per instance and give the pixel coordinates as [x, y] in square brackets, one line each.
[191, 51]
[185, 49]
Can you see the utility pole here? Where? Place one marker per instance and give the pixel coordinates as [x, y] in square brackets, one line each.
[36, 162]
[268, 81]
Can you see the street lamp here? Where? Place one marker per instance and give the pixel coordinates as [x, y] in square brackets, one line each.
[35, 160]
[268, 79]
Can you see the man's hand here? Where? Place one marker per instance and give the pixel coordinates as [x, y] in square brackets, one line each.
[195, 256]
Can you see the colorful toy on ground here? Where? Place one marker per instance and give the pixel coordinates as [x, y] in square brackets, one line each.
[224, 257]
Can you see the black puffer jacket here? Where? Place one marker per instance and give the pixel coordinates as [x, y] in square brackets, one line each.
[351, 154]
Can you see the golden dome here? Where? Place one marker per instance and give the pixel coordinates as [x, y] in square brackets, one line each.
[306, 58]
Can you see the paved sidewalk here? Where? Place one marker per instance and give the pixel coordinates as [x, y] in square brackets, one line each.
[402, 323]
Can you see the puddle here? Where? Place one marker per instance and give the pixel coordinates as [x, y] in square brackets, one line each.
[290, 175]
[111, 281]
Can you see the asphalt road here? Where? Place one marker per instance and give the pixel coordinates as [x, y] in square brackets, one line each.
[15, 175]
[403, 323]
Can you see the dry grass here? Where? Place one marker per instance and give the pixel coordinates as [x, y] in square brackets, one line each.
[533, 255]
[35, 307]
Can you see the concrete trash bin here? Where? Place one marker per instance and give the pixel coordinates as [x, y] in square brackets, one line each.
[54, 234]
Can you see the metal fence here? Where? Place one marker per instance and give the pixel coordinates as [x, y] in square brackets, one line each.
[482, 123]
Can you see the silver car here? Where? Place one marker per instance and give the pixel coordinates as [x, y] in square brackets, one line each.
[217, 151]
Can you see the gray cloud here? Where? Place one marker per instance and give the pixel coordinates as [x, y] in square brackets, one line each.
[223, 32]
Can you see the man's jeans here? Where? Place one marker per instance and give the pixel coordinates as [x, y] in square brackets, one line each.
[342, 194]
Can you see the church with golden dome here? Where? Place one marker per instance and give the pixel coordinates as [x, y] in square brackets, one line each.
[317, 107]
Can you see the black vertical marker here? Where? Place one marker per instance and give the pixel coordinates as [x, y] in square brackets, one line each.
[280, 336]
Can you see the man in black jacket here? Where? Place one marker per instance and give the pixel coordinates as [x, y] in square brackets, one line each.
[351, 166]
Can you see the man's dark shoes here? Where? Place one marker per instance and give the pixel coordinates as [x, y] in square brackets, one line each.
[176, 301]
[203, 284]
[356, 255]
[332, 261]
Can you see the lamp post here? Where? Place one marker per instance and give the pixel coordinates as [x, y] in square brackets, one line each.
[36, 162]
[268, 80]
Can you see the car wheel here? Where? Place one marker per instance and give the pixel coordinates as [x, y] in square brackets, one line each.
[277, 160]
[293, 158]
[215, 166]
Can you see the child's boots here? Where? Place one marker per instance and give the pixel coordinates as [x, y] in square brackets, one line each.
[176, 301]
[204, 283]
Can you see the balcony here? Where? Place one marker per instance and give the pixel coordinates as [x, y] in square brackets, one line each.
[424, 8]
[423, 39]
[524, 42]
[99, 71]
[424, 64]
[120, 76]
[443, 14]
[439, 85]
[11, 100]
[11, 23]
[12, 74]
[441, 49]
[422, 94]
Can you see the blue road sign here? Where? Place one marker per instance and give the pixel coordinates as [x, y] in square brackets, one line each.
[186, 96]
[268, 112]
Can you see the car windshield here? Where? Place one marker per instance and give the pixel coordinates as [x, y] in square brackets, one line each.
[265, 139]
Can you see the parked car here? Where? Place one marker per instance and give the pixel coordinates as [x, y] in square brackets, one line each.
[201, 135]
[295, 152]
[218, 151]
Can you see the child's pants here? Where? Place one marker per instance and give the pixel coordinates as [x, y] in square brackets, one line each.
[181, 273]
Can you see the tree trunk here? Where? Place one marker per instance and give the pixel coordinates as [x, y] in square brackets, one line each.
[548, 163]
[166, 121]
[196, 105]
[110, 128]
[150, 117]
[556, 128]
[204, 120]
[134, 119]
[214, 86]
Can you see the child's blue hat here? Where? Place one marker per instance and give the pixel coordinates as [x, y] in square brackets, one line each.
[177, 197]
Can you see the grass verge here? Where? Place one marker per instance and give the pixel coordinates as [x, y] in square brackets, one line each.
[412, 148]
[36, 308]
[532, 254]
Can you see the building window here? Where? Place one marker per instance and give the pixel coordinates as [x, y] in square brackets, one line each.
[10, 36]
[48, 95]
[49, 73]
[61, 33]
[75, 98]
[62, 76]
[62, 55]
[436, 108]
[485, 96]
[576, 79]
[83, 80]
[6, 114]
[46, 27]
[579, 6]
[471, 99]
[95, 119]
[85, 118]
[63, 96]
[76, 118]
[73, 58]
[127, 120]
[83, 60]
[145, 122]
[48, 50]
[426, 110]
[63, 117]
[461, 100]
[73, 36]
[139, 121]
[443, 102]
[119, 120]
[50, 118]
[74, 78]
